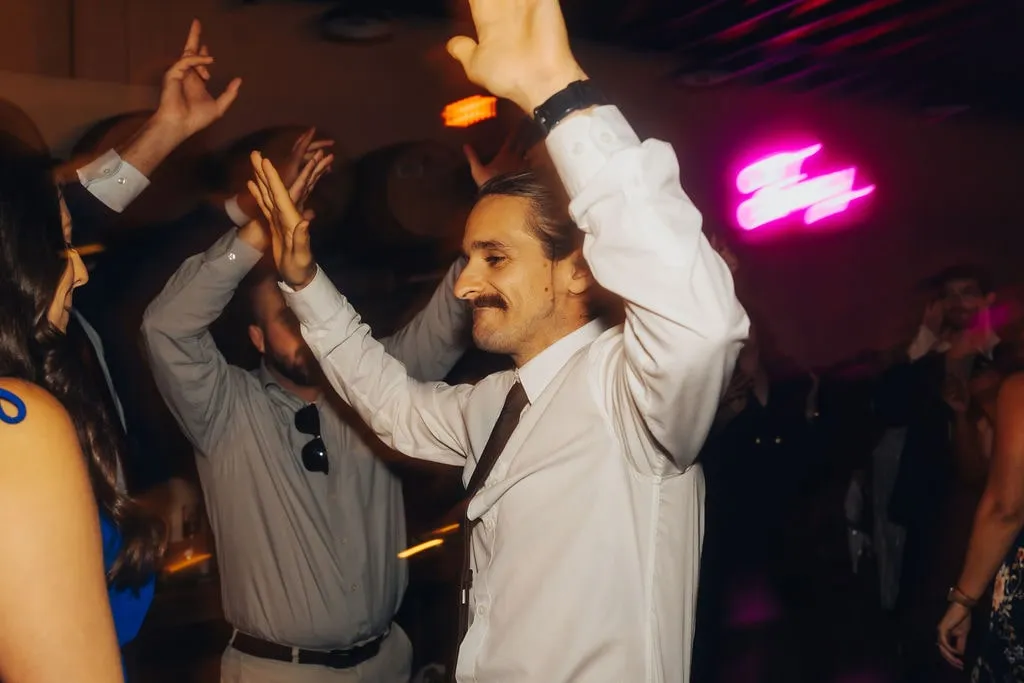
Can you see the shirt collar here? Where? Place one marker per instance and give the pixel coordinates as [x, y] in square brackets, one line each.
[267, 379]
[269, 383]
[537, 374]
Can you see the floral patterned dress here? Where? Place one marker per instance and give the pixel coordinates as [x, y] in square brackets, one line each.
[1002, 653]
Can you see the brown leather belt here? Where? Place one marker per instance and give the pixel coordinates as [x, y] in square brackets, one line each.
[335, 659]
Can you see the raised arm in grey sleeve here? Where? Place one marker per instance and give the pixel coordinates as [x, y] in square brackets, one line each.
[433, 341]
[194, 379]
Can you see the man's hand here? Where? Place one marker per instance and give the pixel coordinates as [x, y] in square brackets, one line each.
[303, 151]
[255, 233]
[521, 53]
[934, 316]
[510, 158]
[186, 106]
[289, 229]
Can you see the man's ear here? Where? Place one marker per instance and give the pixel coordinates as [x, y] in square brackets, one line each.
[256, 337]
[580, 277]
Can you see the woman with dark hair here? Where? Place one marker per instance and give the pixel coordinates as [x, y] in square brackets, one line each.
[76, 550]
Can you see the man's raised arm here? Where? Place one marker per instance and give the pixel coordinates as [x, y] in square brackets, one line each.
[421, 420]
[193, 377]
[118, 176]
[684, 325]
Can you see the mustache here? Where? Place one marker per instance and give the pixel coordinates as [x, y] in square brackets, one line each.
[490, 301]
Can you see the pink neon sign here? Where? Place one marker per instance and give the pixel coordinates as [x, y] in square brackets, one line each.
[779, 187]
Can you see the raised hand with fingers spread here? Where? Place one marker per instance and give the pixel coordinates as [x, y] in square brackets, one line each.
[521, 53]
[304, 151]
[185, 102]
[513, 156]
[305, 148]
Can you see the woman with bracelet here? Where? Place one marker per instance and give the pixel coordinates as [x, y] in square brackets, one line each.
[995, 550]
[78, 555]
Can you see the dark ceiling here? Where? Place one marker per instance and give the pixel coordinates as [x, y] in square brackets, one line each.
[943, 56]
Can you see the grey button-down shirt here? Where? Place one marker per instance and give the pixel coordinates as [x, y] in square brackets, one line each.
[306, 560]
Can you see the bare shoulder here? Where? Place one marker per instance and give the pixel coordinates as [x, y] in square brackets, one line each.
[44, 428]
[39, 406]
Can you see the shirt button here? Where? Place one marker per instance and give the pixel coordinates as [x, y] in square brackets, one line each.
[107, 171]
[122, 180]
[606, 138]
[778, 439]
[231, 256]
[354, 587]
[577, 149]
[757, 440]
[481, 610]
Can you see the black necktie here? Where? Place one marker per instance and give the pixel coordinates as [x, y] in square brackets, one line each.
[515, 402]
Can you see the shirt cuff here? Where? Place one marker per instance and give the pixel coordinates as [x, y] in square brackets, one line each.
[316, 303]
[230, 249]
[235, 213]
[112, 180]
[581, 145]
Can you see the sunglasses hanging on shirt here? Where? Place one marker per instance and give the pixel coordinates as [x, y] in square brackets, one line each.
[314, 453]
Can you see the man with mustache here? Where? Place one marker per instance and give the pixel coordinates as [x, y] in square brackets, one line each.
[586, 507]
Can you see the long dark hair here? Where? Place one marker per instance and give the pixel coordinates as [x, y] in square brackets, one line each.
[32, 261]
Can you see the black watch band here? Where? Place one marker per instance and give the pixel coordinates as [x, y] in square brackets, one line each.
[574, 97]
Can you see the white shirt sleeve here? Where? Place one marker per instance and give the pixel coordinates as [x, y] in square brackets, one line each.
[643, 241]
[112, 180]
[422, 420]
[235, 213]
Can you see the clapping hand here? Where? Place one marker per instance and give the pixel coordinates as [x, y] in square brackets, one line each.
[302, 152]
[185, 103]
[282, 208]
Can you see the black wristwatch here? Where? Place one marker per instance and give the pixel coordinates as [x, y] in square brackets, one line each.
[574, 97]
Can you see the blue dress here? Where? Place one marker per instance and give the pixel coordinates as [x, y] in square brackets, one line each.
[129, 605]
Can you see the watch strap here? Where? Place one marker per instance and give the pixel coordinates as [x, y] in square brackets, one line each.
[576, 96]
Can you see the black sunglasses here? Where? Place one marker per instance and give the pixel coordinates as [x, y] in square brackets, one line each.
[314, 453]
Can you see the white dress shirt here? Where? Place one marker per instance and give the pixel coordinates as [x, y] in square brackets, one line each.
[585, 563]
